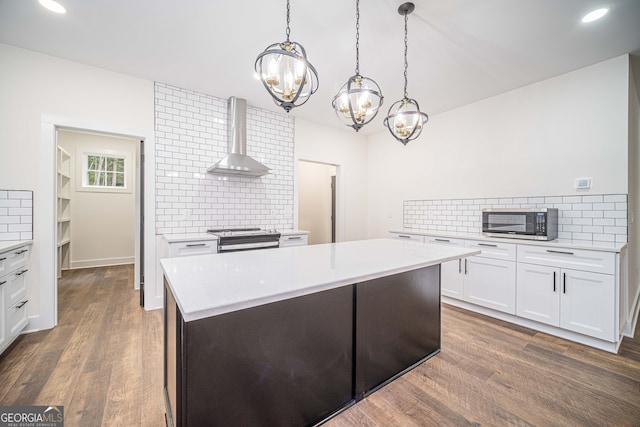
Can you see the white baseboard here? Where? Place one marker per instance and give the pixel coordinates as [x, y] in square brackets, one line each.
[632, 321]
[104, 262]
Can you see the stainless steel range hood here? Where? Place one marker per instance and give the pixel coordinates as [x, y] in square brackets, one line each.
[237, 162]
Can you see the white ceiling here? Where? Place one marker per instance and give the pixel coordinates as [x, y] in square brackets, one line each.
[460, 51]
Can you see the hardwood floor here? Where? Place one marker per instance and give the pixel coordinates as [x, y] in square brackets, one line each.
[103, 362]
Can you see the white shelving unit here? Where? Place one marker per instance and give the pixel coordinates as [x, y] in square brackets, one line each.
[64, 209]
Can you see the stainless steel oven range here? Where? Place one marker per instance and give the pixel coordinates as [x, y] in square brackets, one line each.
[245, 239]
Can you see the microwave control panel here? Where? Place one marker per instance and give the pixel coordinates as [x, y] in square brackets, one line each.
[541, 223]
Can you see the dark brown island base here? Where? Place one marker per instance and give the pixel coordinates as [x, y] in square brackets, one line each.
[301, 360]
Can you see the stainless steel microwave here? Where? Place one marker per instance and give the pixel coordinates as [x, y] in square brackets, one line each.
[532, 223]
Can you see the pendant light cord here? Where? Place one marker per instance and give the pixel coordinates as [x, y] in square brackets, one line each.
[357, 37]
[288, 20]
[406, 62]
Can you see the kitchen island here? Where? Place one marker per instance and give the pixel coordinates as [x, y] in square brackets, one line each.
[292, 336]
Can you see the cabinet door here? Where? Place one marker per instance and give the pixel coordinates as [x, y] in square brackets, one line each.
[452, 278]
[406, 236]
[587, 303]
[193, 248]
[491, 283]
[451, 272]
[538, 293]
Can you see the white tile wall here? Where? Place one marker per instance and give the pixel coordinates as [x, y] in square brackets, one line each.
[191, 135]
[16, 215]
[595, 217]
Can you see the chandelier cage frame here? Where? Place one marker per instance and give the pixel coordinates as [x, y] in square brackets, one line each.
[299, 80]
[401, 129]
[360, 98]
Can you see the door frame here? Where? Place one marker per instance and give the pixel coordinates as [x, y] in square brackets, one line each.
[45, 215]
[339, 205]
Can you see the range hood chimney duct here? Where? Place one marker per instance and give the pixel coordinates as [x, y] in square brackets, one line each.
[237, 162]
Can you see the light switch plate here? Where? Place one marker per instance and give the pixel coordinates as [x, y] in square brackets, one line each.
[583, 183]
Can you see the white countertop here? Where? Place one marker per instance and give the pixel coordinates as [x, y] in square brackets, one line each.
[13, 244]
[208, 285]
[193, 237]
[556, 243]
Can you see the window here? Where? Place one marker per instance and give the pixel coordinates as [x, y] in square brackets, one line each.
[104, 171]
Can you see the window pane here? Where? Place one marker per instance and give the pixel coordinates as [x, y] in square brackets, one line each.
[120, 165]
[120, 180]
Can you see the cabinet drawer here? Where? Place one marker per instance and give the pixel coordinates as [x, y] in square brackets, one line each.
[444, 241]
[494, 250]
[15, 286]
[201, 247]
[577, 259]
[407, 236]
[14, 259]
[298, 240]
[17, 318]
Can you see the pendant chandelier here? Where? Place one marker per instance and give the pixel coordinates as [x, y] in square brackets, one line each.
[286, 72]
[405, 120]
[359, 100]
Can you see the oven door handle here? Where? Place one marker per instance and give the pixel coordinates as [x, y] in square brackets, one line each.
[245, 246]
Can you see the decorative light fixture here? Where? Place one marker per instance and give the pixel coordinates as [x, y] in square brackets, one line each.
[359, 100]
[286, 73]
[404, 120]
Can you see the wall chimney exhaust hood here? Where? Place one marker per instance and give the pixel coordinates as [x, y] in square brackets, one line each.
[237, 162]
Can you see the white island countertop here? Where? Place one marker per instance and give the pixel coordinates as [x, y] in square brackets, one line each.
[209, 285]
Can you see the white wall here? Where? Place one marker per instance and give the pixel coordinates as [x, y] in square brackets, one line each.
[533, 141]
[39, 91]
[348, 151]
[102, 222]
[314, 200]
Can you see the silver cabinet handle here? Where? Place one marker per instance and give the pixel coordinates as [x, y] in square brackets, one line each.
[442, 240]
[20, 273]
[2, 259]
[2, 283]
[294, 238]
[554, 281]
[559, 252]
[459, 265]
[22, 304]
[194, 245]
[22, 251]
[403, 236]
[466, 268]
[488, 244]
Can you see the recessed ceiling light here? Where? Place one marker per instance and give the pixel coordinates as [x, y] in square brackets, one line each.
[595, 15]
[53, 6]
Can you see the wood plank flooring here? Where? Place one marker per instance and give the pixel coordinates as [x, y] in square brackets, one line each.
[103, 362]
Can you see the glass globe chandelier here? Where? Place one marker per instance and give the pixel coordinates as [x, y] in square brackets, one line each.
[359, 100]
[405, 121]
[286, 72]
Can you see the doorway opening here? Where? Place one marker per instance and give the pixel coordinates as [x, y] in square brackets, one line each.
[99, 196]
[317, 187]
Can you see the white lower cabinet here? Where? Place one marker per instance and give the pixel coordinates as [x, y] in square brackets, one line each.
[579, 301]
[14, 282]
[491, 283]
[571, 292]
[199, 247]
[293, 240]
[452, 272]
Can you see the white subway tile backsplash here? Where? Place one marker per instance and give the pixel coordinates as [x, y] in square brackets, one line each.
[16, 215]
[593, 217]
[191, 131]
